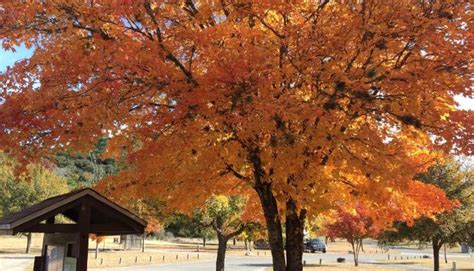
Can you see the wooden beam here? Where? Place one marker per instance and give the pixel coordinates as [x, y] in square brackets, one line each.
[111, 229]
[53, 213]
[74, 228]
[116, 233]
[54, 228]
[84, 229]
[104, 228]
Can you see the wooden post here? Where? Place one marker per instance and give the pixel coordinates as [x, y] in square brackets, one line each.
[28, 243]
[84, 226]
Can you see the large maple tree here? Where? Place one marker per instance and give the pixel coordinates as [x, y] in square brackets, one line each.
[307, 103]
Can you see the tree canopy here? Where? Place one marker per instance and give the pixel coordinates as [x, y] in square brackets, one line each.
[307, 104]
[450, 227]
[354, 227]
[223, 213]
[37, 183]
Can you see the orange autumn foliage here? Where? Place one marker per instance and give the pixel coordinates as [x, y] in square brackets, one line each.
[153, 225]
[321, 102]
[97, 238]
[418, 200]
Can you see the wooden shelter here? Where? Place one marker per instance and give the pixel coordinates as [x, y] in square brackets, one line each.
[88, 212]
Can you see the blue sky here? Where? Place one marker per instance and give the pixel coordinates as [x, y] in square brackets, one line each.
[8, 58]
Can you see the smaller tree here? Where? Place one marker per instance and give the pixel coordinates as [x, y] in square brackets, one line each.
[223, 214]
[189, 226]
[35, 184]
[450, 227]
[98, 239]
[354, 227]
[152, 227]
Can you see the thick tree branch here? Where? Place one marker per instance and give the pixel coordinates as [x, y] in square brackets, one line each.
[230, 169]
[240, 229]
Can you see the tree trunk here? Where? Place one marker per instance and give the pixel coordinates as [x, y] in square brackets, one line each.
[222, 247]
[445, 255]
[273, 221]
[294, 236]
[28, 243]
[270, 211]
[143, 243]
[436, 248]
[204, 242]
[354, 253]
[96, 248]
[356, 245]
[246, 241]
[234, 242]
[218, 225]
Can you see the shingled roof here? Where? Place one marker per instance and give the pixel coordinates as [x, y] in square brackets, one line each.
[104, 212]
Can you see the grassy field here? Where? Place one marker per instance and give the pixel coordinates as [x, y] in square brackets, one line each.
[128, 258]
[186, 250]
[17, 244]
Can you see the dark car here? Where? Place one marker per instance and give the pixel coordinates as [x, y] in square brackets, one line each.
[314, 245]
